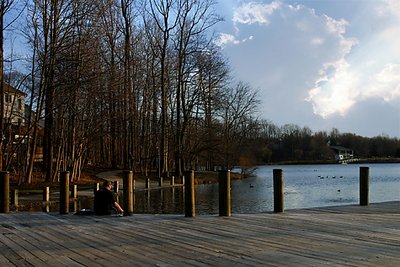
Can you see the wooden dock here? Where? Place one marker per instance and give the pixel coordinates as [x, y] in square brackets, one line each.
[334, 236]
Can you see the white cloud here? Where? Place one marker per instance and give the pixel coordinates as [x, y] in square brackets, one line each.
[225, 38]
[335, 26]
[386, 83]
[317, 41]
[334, 93]
[250, 13]
[369, 72]
[390, 6]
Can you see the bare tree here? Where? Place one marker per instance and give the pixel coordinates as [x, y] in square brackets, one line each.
[212, 77]
[196, 17]
[238, 104]
[165, 14]
[5, 6]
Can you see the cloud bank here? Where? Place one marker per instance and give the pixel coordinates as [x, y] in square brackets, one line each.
[309, 61]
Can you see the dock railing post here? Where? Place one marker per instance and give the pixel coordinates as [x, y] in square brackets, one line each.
[278, 190]
[46, 194]
[14, 198]
[4, 192]
[364, 186]
[128, 192]
[74, 196]
[46, 199]
[190, 209]
[116, 190]
[116, 187]
[96, 187]
[74, 191]
[64, 192]
[224, 193]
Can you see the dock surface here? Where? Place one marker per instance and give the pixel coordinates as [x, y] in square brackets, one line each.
[330, 236]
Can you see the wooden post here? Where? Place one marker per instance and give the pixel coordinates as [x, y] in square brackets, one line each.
[64, 192]
[76, 205]
[172, 181]
[4, 192]
[46, 199]
[147, 183]
[74, 196]
[46, 194]
[190, 210]
[74, 191]
[116, 187]
[224, 193]
[278, 190]
[160, 182]
[364, 186]
[128, 192]
[96, 187]
[148, 198]
[14, 198]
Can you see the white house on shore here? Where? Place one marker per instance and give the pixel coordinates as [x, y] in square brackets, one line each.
[14, 105]
[342, 153]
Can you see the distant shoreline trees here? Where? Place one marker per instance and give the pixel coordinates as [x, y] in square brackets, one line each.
[270, 143]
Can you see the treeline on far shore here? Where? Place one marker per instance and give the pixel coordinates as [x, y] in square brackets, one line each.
[291, 144]
[357, 161]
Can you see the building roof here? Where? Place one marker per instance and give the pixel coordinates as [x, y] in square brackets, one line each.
[340, 148]
[10, 89]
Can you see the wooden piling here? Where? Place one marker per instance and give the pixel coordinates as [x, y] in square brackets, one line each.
[46, 194]
[96, 187]
[74, 191]
[190, 210]
[364, 186]
[116, 187]
[128, 192]
[4, 192]
[116, 190]
[64, 192]
[14, 198]
[46, 199]
[224, 193]
[278, 190]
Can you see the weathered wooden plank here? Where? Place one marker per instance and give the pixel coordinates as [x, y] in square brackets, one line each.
[4, 262]
[350, 235]
[17, 254]
[82, 247]
[59, 243]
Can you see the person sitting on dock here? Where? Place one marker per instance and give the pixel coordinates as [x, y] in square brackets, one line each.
[104, 201]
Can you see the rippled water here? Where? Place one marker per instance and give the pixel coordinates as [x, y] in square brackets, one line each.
[316, 186]
[305, 186]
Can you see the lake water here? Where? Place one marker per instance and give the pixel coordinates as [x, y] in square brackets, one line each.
[305, 186]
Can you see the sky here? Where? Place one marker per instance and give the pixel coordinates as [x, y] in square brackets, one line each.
[321, 64]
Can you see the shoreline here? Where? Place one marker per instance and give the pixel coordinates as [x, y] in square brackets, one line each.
[320, 162]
